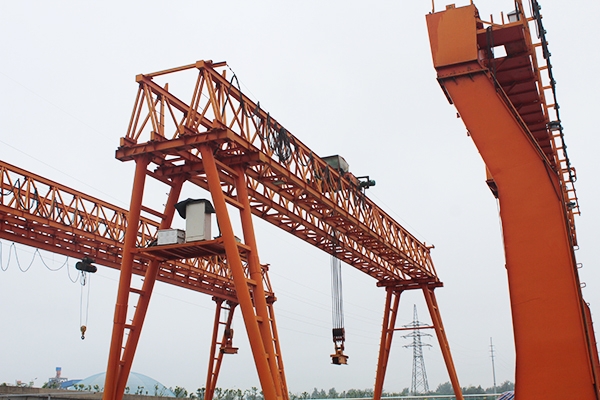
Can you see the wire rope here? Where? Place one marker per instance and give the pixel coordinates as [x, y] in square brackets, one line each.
[85, 280]
[336, 293]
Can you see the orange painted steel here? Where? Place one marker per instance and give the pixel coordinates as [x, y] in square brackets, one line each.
[265, 316]
[115, 365]
[44, 214]
[440, 332]
[227, 144]
[251, 313]
[392, 302]
[289, 185]
[502, 103]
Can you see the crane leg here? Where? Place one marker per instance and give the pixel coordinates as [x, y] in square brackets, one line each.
[392, 301]
[440, 332]
[243, 290]
[125, 355]
[266, 323]
[219, 347]
[115, 351]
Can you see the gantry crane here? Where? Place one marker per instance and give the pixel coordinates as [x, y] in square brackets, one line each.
[508, 103]
[225, 143]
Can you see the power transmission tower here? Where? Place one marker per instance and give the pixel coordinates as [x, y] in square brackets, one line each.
[493, 364]
[419, 375]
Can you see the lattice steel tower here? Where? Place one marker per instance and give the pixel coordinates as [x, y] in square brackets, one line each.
[419, 375]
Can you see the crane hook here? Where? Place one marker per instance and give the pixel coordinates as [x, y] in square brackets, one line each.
[83, 329]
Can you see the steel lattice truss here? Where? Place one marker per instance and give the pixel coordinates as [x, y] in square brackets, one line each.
[289, 185]
[44, 214]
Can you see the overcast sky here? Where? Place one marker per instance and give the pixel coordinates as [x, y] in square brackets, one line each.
[350, 78]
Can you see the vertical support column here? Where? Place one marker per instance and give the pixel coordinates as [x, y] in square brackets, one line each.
[392, 302]
[239, 278]
[145, 294]
[133, 219]
[255, 270]
[440, 332]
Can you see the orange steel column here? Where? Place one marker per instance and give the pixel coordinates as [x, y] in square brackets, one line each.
[239, 278]
[392, 301]
[260, 301]
[552, 344]
[550, 333]
[133, 218]
[145, 295]
[440, 332]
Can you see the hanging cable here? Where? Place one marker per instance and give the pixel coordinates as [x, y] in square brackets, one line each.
[12, 246]
[2, 268]
[37, 253]
[339, 334]
[85, 266]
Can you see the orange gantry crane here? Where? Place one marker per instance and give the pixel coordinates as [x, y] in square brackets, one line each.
[499, 78]
[225, 143]
[222, 142]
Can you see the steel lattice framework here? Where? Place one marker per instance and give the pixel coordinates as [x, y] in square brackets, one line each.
[44, 214]
[290, 186]
[225, 143]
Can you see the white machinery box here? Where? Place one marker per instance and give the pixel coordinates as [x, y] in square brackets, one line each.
[171, 236]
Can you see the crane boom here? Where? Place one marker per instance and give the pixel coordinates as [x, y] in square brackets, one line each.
[290, 186]
[503, 105]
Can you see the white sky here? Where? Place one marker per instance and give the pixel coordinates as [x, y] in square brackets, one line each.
[350, 78]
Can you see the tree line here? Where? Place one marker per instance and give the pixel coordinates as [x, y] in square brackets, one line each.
[255, 394]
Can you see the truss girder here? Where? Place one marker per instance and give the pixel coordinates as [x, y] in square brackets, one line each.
[44, 214]
[289, 185]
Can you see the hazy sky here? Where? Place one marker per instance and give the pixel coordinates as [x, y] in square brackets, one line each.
[350, 78]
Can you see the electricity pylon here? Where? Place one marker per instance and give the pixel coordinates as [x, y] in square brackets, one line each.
[419, 375]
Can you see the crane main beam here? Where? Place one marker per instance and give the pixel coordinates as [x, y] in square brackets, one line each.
[288, 184]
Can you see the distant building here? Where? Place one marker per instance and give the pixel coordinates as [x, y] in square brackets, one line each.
[136, 384]
[57, 381]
